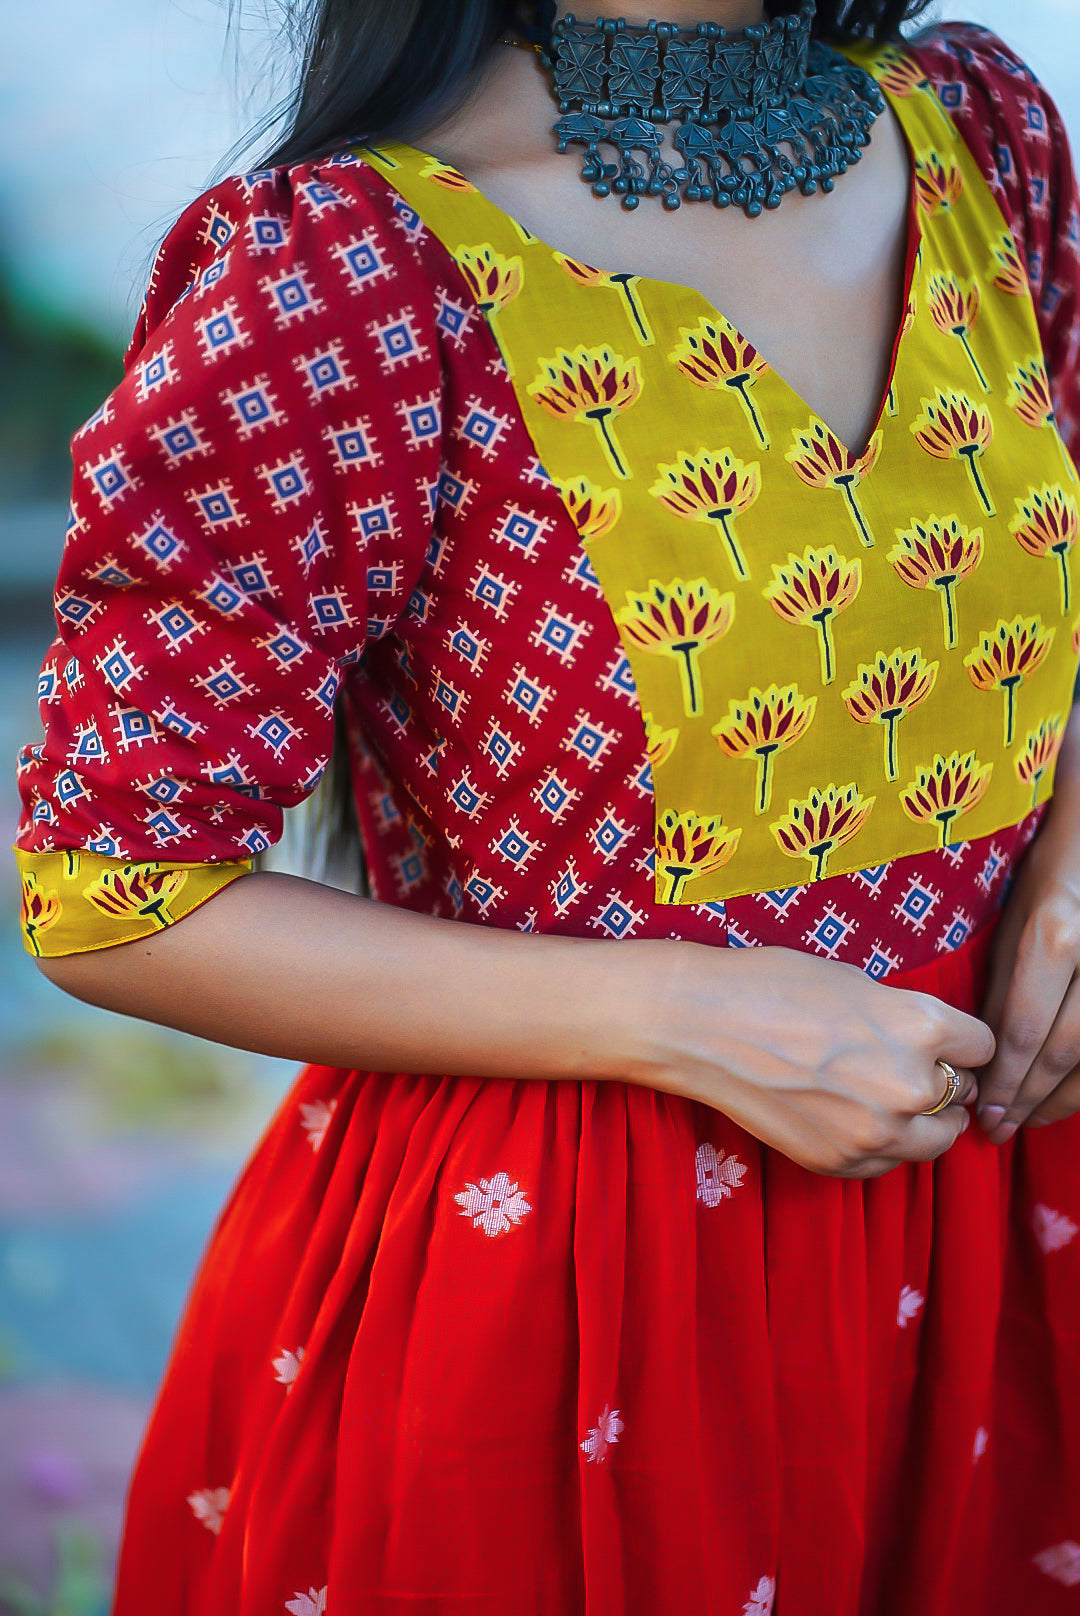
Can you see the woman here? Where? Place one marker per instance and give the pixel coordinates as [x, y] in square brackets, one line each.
[708, 678]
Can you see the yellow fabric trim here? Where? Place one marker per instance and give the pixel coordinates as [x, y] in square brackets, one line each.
[840, 658]
[75, 902]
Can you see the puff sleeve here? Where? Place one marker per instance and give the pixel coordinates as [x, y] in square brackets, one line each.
[1016, 134]
[249, 506]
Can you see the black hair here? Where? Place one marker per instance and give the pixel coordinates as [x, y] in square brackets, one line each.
[373, 70]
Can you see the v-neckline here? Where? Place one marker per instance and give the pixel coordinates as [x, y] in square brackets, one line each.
[707, 310]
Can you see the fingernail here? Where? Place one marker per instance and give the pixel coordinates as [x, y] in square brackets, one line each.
[991, 1115]
[1038, 1122]
[1002, 1135]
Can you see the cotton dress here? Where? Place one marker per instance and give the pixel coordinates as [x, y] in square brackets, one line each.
[631, 645]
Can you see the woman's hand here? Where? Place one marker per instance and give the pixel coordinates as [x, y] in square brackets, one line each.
[1033, 997]
[811, 1057]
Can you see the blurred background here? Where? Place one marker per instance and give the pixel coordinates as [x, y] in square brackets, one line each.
[118, 1143]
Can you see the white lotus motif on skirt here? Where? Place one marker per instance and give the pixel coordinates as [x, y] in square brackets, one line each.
[315, 1119]
[313, 1603]
[910, 1302]
[495, 1205]
[718, 1174]
[287, 1367]
[760, 1602]
[209, 1505]
[1062, 1562]
[1053, 1230]
[603, 1435]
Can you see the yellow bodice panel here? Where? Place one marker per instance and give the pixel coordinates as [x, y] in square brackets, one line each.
[840, 658]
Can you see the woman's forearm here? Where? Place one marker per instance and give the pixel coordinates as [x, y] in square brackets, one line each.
[288, 967]
[809, 1056]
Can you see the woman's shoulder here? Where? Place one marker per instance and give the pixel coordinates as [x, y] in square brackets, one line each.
[976, 48]
[1002, 110]
[1016, 134]
[286, 234]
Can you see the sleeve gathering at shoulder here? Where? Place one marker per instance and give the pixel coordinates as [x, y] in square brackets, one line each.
[249, 506]
[1016, 134]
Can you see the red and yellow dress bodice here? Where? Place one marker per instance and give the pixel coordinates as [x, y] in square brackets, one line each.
[843, 654]
[631, 642]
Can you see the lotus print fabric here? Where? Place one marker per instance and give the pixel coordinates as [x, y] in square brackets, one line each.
[963, 497]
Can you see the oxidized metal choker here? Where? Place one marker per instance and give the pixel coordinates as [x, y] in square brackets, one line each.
[762, 111]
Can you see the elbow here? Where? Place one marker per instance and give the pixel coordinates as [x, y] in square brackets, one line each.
[83, 976]
[126, 978]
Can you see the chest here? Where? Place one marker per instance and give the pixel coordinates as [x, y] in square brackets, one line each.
[818, 276]
[841, 653]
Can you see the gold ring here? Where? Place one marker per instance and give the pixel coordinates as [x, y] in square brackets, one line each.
[954, 1083]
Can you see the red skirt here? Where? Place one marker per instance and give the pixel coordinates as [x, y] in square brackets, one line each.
[494, 1348]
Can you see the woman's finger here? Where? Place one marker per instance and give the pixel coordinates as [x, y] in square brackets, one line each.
[950, 1034]
[1039, 983]
[1002, 963]
[1058, 1057]
[927, 1138]
[1063, 1103]
[936, 1082]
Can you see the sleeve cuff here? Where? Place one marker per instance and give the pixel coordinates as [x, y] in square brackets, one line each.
[74, 902]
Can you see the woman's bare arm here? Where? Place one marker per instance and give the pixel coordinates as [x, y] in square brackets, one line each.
[809, 1056]
[290, 967]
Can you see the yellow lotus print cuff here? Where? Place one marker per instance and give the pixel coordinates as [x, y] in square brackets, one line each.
[75, 902]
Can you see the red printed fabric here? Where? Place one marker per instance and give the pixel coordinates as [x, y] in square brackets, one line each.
[490, 1347]
[234, 538]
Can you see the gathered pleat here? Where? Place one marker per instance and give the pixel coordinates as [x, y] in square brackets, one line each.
[499, 1348]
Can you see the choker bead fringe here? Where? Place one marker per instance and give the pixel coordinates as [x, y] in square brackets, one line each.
[762, 111]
